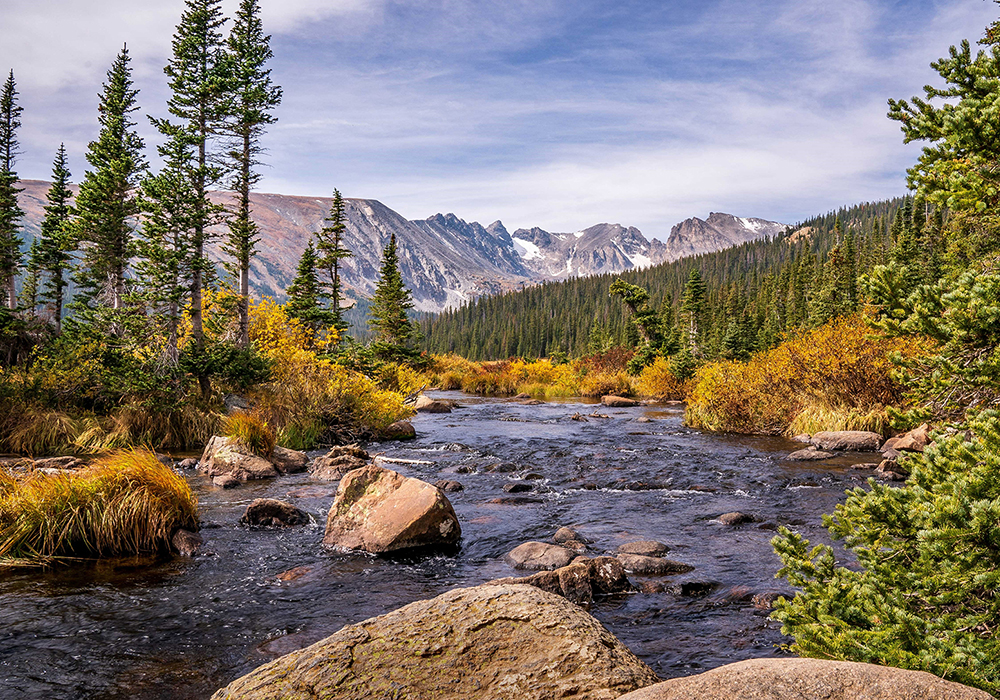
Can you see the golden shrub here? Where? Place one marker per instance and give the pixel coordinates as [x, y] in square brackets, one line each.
[600, 383]
[657, 381]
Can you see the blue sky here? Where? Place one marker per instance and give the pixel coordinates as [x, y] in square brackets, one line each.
[551, 113]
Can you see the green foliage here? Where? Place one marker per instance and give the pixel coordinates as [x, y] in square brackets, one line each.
[924, 597]
[389, 307]
[236, 366]
[330, 251]
[57, 241]
[305, 294]
[10, 212]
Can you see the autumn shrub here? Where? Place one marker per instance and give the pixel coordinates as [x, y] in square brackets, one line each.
[601, 383]
[492, 379]
[657, 381]
[614, 360]
[842, 371]
[394, 376]
[125, 503]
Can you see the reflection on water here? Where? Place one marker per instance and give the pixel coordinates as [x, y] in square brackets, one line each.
[183, 628]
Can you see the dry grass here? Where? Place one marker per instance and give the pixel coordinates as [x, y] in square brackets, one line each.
[125, 503]
[596, 384]
[250, 432]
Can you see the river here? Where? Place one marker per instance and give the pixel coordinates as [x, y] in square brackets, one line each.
[183, 628]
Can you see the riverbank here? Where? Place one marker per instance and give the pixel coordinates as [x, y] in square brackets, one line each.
[186, 627]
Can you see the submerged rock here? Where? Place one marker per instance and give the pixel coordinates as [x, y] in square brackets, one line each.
[226, 481]
[517, 487]
[736, 518]
[272, 512]
[646, 548]
[567, 534]
[485, 642]
[539, 555]
[807, 679]
[186, 543]
[378, 510]
[639, 564]
[449, 486]
[400, 430]
[808, 455]
[847, 440]
[225, 455]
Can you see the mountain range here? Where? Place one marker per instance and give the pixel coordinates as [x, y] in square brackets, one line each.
[444, 259]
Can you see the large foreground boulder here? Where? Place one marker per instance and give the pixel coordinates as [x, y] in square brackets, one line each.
[807, 679]
[497, 642]
[225, 455]
[378, 510]
[848, 440]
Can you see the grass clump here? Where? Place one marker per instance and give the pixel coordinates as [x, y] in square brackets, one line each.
[250, 432]
[603, 383]
[125, 503]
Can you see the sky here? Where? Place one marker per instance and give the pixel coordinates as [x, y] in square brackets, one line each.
[552, 113]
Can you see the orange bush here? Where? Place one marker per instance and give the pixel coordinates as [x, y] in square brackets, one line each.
[657, 381]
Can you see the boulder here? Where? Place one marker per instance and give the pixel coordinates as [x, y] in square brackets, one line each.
[189, 463]
[378, 510]
[891, 470]
[847, 440]
[566, 534]
[915, 440]
[808, 455]
[425, 404]
[185, 542]
[575, 546]
[539, 556]
[327, 468]
[612, 401]
[226, 481]
[289, 461]
[804, 438]
[522, 395]
[645, 548]
[449, 486]
[639, 564]
[272, 512]
[531, 402]
[517, 487]
[224, 455]
[736, 518]
[511, 641]
[580, 580]
[400, 430]
[807, 679]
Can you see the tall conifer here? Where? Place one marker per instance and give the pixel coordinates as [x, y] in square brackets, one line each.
[107, 206]
[305, 293]
[10, 213]
[253, 98]
[390, 303]
[57, 239]
[330, 251]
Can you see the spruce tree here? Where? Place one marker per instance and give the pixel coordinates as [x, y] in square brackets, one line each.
[165, 263]
[330, 251]
[389, 306]
[253, 98]
[29, 286]
[197, 73]
[692, 306]
[57, 239]
[10, 213]
[107, 206]
[305, 294]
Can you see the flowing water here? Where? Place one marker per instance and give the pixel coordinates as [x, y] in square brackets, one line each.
[185, 627]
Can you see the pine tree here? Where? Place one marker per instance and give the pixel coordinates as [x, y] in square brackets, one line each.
[107, 206]
[10, 213]
[305, 294]
[165, 263]
[198, 82]
[253, 99]
[57, 239]
[692, 306]
[29, 287]
[389, 305]
[331, 251]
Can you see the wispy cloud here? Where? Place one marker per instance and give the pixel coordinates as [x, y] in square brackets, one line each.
[558, 113]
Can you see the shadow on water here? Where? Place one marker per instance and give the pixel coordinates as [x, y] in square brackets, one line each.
[182, 628]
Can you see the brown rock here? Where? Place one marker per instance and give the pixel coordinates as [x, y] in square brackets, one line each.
[736, 518]
[523, 396]
[289, 461]
[890, 469]
[483, 642]
[272, 512]
[808, 455]
[189, 463]
[67, 462]
[378, 510]
[646, 548]
[915, 440]
[866, 465]
[612, 401]
[638, 564]
[807, 679]
[449, 486]
[575, 546]
[425, 404]
[333, 468]
[400, 430]
[517, 487]
[538, 556]
[515, 500]
[565, 534]
[186, 543]
[226, 481]
[531, 402]
[805, 438]
[223, 455]
[580, 580]
[849, 440]
[579, 417]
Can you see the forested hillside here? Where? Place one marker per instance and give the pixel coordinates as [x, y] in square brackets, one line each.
[754, 291]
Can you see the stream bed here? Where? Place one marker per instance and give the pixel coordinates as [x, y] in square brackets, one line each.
[185, 627]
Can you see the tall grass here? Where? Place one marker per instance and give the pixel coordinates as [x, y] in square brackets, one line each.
[250, 432]
[125, 503]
